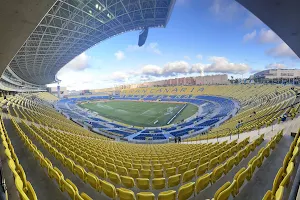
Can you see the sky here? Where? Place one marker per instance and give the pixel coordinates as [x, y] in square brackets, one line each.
[203, 37]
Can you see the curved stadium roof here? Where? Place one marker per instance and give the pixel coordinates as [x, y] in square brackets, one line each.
[72, 26]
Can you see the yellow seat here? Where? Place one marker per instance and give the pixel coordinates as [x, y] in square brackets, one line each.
[279, 193]
[114, 177]
[188, 175]
[66, 186]
[127, 181]
[84, 196]
[111, 167]
[134, 173]
[143, 183]
[167, 195]
[157, 166]
[186, 191]
[122, 171]
[52, 173]
[268, 195]
[277, 180]
[93, 181]
[158, 183]
[202, 182]
[212, 163]
[174, 180]
[217, 173]
[145, 196]
[125, 194]
[30, 191]
[158, 173]
[193, 164]
[69, 164]
[170, 171]
[20, 187]
[225, 194]
[100, 171]
[201, 169]
[80, 171]
[182, 168]
[220, 190]
[145, 173]
[108, 189]
[286, 179]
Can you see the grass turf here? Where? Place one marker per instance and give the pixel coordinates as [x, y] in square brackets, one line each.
[141, 113]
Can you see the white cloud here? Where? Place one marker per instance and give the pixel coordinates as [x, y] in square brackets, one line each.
[79, 63]
[276, 66]
[198, 68]
[177, 67]
[226, 9]
[249, 36]
[268, 36]
[222, 65]
[252, 21]
[151, 48]
[119, 55]
[119, 76]
[186, 57]
[199, 56]
[281, 50]
[153, 70]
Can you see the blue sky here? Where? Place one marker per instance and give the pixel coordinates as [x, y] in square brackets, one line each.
[202, 37]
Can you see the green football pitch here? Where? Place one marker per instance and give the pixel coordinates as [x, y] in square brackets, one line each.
[138, 113]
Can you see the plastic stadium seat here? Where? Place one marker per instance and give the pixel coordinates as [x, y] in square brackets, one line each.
[167, 165]
[100, 171]
[114, 177]
[20, 187]
[289, 171]
[220, 190]
[170, 171]
[202, 182]
[108, 189]
[193, 164]
[143, 183]
[125, 194]
[66, 186]
[217, 173]
[127, 181]
[157, 166]
[279, 193]
[268, 195]
[277, 180]
[188, 175]
[174, 180]
[145, 173]
[52, 173]
[80, 171]
[122, 171]
[158, 183]
[240, 177]
[45, 164]
[145, 196]
[69, 164]
[182, 168]
[201, 169]
[186, 191]
[158, 173]
[225, 194]
[93, 181]
[84, 196]
[134, 173]
[111, 167]
[30, 191]
[167, 195]
[147, 166]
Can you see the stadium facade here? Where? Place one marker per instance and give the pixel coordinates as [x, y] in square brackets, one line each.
[291, 76]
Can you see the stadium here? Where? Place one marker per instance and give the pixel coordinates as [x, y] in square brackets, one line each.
[170, 138]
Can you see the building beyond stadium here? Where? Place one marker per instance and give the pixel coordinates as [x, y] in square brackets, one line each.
[278, 76]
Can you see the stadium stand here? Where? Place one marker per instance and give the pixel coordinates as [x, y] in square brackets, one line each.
[97, 167]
